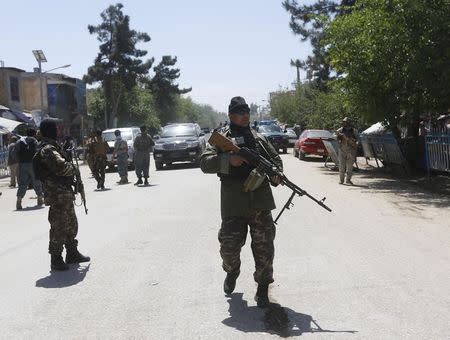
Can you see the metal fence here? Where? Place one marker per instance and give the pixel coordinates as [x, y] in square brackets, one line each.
[4, 170]
[437, 149]
[384, 147]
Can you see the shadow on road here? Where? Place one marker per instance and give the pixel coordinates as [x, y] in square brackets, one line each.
[35, 207]
[61, 279]
[179, 166]
[417, 190]
[275, 319]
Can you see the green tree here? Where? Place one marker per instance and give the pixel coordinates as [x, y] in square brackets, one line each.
[394, 58]
[117, 65]
[166, 92]
[310, 23]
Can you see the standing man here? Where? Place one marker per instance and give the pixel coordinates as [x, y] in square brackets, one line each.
[99, 148]
[242, 209]
[347, 137]
[26, 148]
[57, 175]
[121, 152]
[142, 147]
[13, 161]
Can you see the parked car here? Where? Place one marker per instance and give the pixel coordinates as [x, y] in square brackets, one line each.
[310, 143]
[127, 133]
[292, 137]
[181, 142]
[268, 122]
[275, 135]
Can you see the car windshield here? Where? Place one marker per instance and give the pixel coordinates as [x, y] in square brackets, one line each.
[319, 134]
[110, 136]
[178, 131]
[270, 128]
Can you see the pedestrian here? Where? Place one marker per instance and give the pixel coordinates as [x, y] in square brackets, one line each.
[242, 209]
[121, 152]
[99, 148]
[90, 151]
[13, 161]
[57, 175]
[143, 144]
[347, 137]
[26, 148]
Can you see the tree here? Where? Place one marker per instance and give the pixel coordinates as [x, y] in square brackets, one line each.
[164, 88]
[394, 58]
[298, 64]
[118, 64]
[310, 23]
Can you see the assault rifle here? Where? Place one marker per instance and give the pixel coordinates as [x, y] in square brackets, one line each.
[78, 184]
[268, 168]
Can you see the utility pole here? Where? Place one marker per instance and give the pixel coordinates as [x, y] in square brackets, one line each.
[40, 58]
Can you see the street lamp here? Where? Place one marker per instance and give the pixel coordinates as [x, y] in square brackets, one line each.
[40, 58]
[56, 68]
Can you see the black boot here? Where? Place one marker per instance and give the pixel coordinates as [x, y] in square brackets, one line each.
[262, 296]
[146, 181]
[230, 282]
[74, 256]
[139, 181]
[57, 263]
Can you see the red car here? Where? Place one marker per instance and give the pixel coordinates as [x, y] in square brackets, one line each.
[310, 143]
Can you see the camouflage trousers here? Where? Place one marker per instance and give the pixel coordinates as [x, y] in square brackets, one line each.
[232, 236]
[63, 226]
[98, 169]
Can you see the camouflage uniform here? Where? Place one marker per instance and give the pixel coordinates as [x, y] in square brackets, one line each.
[240, 209]
[347, 138]
[59, 196]
[99, 148]
[142, 148]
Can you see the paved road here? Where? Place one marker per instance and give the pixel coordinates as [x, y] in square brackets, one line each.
[375, 268]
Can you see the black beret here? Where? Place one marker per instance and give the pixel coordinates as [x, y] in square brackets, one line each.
[238, 104]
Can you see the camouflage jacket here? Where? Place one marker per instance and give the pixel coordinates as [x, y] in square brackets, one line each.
[57, 185]
[234, 200]
[143, 143]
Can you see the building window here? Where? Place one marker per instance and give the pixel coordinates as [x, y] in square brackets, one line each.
[14, 87]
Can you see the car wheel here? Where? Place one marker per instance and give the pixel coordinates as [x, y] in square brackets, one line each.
[284, 150]
[301, 155]
[324, 158]
[295, 152]
[158, 165]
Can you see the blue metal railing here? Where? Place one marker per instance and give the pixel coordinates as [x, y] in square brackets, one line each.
[437, 150]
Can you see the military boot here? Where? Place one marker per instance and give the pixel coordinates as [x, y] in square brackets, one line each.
[230, 282]
[74, 256]
[40, 200]
[139, 181]
[146, 181]
[262, 296]
[19, 204]
[57, 263]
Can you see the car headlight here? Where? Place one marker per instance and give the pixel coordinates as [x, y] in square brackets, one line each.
[159, 146]
[193, 144]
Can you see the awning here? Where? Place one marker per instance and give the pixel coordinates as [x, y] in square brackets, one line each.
[16, 115]
[8, 125]
[4, 108]
[377, 128]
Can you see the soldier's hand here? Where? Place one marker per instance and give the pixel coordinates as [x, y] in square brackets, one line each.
[236, 160]
[275, 180]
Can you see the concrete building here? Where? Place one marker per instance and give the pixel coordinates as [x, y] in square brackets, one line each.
[62, 97]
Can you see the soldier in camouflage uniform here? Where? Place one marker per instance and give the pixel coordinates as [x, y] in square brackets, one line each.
[142, 147]
[57, 175]
[347, 136]
[99, 148]
[241, 209]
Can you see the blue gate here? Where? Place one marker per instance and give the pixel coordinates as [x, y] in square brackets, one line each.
[437, 148]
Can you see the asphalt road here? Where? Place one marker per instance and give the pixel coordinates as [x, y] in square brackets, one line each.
[377, 267]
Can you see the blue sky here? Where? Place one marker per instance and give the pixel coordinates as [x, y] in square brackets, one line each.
[224, 48]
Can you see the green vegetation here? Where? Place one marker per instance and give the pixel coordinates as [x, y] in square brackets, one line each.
[128, 94]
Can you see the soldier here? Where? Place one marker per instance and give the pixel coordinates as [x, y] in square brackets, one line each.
[121, 152]
[57, 175]
[90, 152]
[13, 161]
[347, 137]
[242, 209]
[26, 148]
[142, 146]
[99, 149]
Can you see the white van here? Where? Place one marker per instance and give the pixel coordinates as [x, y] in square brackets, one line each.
[129, 135]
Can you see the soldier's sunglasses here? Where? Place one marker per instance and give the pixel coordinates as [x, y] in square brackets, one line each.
[242, 112]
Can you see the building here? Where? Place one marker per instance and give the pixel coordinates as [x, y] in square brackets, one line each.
[54, 94]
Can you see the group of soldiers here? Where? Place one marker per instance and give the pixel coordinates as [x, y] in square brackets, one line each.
[97, 149]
